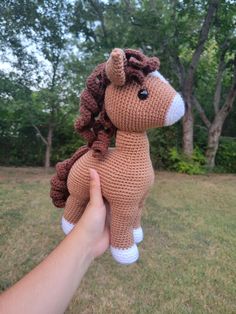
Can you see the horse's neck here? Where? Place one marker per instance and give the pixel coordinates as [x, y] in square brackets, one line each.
[131, 142]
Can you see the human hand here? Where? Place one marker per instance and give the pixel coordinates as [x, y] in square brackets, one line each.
[49, 287]
[95, 221]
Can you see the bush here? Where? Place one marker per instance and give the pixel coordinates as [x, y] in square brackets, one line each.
[21, 149]
[162, 140]
[65, 143]
[226, 156]
[184, 164]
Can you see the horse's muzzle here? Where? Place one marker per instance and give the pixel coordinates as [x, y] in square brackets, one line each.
[175, 111]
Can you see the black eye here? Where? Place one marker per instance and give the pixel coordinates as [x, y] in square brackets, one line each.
[143, 94]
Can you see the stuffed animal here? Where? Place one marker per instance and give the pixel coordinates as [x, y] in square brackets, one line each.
[123, 98]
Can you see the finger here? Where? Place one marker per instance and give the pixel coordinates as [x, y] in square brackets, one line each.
[108, 207]
[95, 188]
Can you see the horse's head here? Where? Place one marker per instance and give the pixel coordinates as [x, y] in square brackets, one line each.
[139, 97]
[128, 93]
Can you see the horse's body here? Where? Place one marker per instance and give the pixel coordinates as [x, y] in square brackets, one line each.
[125, 170]
[135, 98]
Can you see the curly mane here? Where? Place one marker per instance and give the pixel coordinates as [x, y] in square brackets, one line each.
[93, 124]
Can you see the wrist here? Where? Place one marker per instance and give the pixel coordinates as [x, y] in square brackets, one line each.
[85, 242]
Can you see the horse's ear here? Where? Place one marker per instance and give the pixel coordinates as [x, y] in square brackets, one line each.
[115, 67]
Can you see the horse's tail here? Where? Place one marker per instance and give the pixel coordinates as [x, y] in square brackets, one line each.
[59, 191]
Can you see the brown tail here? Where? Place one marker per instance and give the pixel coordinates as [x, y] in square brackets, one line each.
[59, 192]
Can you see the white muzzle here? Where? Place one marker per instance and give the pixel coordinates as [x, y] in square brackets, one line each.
[175, 111]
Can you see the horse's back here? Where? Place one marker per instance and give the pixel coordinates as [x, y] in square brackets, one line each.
[78, 178]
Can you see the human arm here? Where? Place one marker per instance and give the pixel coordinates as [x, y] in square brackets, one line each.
[49, 287]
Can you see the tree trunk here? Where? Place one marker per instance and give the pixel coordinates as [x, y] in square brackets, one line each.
[217, 124]
[188, 131]
[213, 142]
[189, 79]
[48, 148]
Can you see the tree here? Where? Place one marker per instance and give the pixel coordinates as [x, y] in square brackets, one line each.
[38, 43]
[52, 46]
[215, 128]
[224, 88]
[188, 80]
[179, 38]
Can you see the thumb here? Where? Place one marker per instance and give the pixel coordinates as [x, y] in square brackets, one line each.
[95, 188]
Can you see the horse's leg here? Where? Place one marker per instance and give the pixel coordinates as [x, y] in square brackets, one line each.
[73, 211]
[137, 229]
[123, 248]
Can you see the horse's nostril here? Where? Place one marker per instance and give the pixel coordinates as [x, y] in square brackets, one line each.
[175, 111]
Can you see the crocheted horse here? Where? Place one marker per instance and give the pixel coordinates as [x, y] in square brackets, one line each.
[123, 98]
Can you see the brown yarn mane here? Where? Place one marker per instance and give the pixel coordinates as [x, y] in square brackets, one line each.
[93, 124]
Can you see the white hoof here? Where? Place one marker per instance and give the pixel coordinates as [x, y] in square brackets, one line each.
[66, 226]
[125, 256]
[138, 235]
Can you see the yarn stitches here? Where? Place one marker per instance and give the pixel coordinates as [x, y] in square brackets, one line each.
[124, 96]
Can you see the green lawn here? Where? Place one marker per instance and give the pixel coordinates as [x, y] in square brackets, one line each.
[188, 257]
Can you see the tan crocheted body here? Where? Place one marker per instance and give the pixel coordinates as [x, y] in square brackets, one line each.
[126, 175]
[136, 99]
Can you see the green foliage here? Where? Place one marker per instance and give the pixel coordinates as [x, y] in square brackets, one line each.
[52, 47]
[226, 156]
[161, 141]
[184, 164]
[65, 142]
[23, 150]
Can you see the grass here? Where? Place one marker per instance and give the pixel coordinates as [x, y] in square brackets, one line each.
[188, 257]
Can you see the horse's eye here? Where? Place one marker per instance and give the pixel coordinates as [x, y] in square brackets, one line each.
[143, 94]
